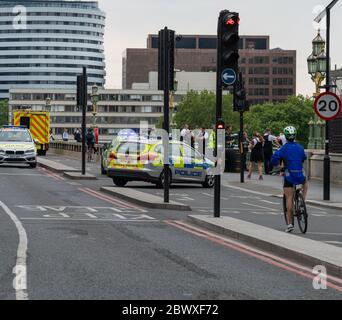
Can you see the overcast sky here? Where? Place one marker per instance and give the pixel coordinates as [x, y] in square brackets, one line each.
[289, 23]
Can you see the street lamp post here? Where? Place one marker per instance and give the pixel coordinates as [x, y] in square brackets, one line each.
[327, 12]
[94, 100]
[317, 70]
[172, 104]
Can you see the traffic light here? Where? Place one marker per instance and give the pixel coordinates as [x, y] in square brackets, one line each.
[229, 46]
[240, 103]
[166, 58]
[220, 125]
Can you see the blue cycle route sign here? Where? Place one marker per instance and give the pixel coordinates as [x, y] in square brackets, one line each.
[228, 77]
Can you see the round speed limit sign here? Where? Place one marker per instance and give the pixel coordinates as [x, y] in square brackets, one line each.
[328, 106]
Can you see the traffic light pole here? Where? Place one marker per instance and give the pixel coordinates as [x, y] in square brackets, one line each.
[84, 98]
[242, 152]
[217, 187]
[326, 192]
[166, 111]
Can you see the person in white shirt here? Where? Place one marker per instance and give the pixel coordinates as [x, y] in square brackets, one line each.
[202, 138]
[65, 135]
[186, 135]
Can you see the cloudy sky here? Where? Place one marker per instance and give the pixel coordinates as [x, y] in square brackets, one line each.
[289, 23]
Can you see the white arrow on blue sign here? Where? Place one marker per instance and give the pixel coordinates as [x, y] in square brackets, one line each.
[228, 77]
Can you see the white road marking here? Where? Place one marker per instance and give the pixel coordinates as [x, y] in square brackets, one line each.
[326, 233]
[270, 202]
[261, 207]
[20, 269]
[97, 220]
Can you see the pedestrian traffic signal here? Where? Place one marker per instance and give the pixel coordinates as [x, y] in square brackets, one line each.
[228, 41]
[220, 125]
[240, 103]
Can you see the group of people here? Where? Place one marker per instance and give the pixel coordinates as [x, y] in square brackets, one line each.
[261, 151]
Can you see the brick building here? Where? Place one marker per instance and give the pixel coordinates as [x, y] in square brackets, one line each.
[270, 74]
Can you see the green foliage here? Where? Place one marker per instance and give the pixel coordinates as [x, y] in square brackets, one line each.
[3, 112]
[197, 109]
[296, 111]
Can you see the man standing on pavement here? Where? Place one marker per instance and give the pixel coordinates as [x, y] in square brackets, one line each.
[65, 135]
[268, 150]
[203, 137]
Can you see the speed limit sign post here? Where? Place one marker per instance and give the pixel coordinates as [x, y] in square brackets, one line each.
[328, 106]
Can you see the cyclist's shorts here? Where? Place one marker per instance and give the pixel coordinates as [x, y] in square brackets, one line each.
[290, 185]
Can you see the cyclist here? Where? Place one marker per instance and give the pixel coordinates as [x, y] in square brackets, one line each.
[293, 156]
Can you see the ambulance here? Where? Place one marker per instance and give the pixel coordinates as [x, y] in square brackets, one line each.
[38, 122]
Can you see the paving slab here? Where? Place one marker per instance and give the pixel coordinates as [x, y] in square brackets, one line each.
[306, 251]
[144, 199]
[79, 176]
[55, 166]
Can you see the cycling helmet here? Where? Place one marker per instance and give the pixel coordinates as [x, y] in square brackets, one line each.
[290, 133]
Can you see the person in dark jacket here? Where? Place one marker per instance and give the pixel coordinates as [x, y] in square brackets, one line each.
[268, 150]
[257, 154]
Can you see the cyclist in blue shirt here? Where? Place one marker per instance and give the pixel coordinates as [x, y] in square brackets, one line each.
[293, 156]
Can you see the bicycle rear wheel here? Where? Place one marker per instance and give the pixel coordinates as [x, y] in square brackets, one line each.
[301, 212]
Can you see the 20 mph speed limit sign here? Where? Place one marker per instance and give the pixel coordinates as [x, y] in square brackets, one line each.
[328, 106]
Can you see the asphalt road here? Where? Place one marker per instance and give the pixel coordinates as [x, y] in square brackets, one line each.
[82, 244]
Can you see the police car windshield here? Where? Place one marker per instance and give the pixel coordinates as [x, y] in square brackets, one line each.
[7, 135]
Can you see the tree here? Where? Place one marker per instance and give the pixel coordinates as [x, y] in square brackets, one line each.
[197, 109]
[3, 112]
[296, 111]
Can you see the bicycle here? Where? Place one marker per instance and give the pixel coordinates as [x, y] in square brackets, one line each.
[299, 208]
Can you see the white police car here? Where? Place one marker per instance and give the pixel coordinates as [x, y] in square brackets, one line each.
[17, 146]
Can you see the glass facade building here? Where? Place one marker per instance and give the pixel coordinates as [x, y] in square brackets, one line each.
[45, 44]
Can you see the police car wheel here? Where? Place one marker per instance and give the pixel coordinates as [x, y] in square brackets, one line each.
[209, 182]
[120, 182]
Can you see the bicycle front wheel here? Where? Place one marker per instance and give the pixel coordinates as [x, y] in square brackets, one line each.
[301, 213]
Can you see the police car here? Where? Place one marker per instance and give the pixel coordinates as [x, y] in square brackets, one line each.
[17, 146]
[142, 160]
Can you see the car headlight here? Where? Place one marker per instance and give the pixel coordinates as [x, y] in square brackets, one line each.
[30, 151]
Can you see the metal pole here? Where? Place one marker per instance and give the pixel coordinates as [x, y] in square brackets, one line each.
[242, 153]
[166, 111]
[84, 118]
[326, 192]
[217, 188]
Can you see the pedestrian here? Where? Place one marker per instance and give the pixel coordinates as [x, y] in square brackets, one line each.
[65, 135]
[51, 136]
[186, 135]
[268, 150]
[77, 135]
[257, 155]
[281, 139]
[90, 138]
[203, 138]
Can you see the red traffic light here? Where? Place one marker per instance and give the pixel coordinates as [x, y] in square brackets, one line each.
[220, 125]
[231, 21]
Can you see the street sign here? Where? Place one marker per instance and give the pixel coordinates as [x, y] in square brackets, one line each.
[328, 106]
[228, 77]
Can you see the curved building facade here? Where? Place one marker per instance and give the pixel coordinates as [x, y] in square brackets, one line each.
[45, 44]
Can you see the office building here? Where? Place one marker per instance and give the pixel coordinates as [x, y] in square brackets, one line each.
[270, 74]
[44, 44]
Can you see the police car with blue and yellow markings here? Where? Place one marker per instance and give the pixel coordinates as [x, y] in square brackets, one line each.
[17, 146]
[142, 160]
